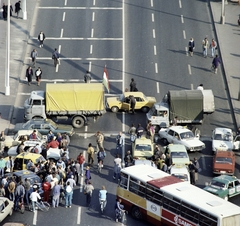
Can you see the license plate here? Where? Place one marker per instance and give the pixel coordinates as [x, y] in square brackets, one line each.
[222, 171]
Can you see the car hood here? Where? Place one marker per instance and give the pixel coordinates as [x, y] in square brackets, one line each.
[151, 99]
[193, 142]
[214, 190]
[223, 166]
[221, 145]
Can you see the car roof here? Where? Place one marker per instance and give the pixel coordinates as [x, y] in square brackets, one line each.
[222, 130]
[179, 129]
[177, 148]
[143, 140]
[224, 154]
[177, 170]
[135, 94]
[24, 173]
[25, 132]
[225, 178]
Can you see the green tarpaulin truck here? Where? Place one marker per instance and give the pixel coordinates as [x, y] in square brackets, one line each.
[72, 100]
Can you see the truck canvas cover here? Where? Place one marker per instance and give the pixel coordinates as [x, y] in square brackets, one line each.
[187, 105]
[75, 97]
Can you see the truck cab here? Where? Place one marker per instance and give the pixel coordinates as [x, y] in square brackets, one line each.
[34, 106]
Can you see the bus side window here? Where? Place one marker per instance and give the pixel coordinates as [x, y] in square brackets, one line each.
[205, 219]
[124, 181]
[133, 185]
[189, 212]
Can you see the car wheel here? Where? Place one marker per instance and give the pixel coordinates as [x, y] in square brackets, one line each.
[136, 213]
[145, 109]
[226, 198]
[10, 213]
[165, 141]
[114, 109]
[78, 122]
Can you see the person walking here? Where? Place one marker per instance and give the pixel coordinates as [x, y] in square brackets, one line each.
[56, 191]
[90, 152]
[99, 140]
[5, 11]
[41, 38]
[87, 77]
[81, 161]
[120, 140]
[103, 196]
[191, 46]
[128, 159]
[197, 168]
[200, 87]
[2, 166]
[38, 74]
[46, 186]
[117, 167]
[213, 47]
[215, 63]
[55, 57]
[205, 46]
[87, 175]
[27, 187]
[19, 194]
[88, 190]
[132, 132]
[192, 169]
[68, 195]
[34, 198]
[132, 103]
[133, 86]
[139, 131]
[17, 8]
[34, 55]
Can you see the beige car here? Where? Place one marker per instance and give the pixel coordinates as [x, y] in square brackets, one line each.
[142, 148]
[121, 102]
[6, 208]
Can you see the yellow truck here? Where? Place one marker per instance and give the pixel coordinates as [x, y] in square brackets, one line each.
[76, 101]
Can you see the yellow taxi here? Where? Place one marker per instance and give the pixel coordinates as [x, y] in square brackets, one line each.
[122, 102]
[142, 148]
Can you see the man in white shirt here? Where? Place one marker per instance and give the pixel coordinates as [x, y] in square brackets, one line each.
[71, 181]
[34, 197]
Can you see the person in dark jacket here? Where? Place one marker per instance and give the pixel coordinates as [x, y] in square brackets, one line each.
[132, 103]
[133, 86]
[41, 38]
[55, 57]
[215, 63]
[17, 7]
[191, 46]
[4, 7]
[29, 74]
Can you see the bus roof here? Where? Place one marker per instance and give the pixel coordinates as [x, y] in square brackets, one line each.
[207, 201]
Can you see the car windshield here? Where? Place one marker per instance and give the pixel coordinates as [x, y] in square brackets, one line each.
[216, 183]
[223, 160]
[224, 137]
[143, 147]
[186, 135]
[179, 155]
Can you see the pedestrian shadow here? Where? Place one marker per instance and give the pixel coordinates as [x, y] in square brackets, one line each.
[234, 54]
[20, 28]
[235, 77]
[202, 69]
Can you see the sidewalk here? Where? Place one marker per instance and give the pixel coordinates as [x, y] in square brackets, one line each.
[228, 36]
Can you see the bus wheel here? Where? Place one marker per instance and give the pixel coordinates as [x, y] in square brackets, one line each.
[136, 213]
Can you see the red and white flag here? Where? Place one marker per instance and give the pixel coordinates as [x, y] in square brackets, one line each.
[105, 79]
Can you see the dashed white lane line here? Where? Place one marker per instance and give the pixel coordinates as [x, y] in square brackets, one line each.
[91, 49]
[35, 218]
[158, 90]
[192, 88]
[64, 14]
[80, 8]
[155, 50]
[65, 3]
[180, 4]
[154, 36]
[79, 39]
[77, 58]
[186, 49]
[59, 48]
[61, 35]
[94, 2]
[156, 68]
[184, 34]
[152, 17]
[79, 215]
[92, 32]
[93, 16]
[90, 66]
[182, 20]
[151, 3]
[189, 69]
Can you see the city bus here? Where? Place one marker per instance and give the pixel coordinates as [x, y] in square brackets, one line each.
[161, 199]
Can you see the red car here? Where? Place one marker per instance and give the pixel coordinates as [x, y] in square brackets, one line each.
[224, 162]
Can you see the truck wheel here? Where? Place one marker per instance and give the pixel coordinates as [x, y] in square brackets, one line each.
[114, 109]
[78, 122]
[145, 109]
[136, 213]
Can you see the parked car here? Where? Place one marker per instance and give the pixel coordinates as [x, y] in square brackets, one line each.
[23, 135]
[142, 148]
[43, 126]
[222, 139]
[224, 186]
[224, 162]
[181, 135]
[144, 162]
[6, 208]
[121, 102]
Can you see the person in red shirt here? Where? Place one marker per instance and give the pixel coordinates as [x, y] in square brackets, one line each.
[33, 135]
[46, 186]
[53, 144]
[81, 161]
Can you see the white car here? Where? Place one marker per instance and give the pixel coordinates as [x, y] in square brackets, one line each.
[222, 139]
[181, 135]
[181, 172]
[6, 208]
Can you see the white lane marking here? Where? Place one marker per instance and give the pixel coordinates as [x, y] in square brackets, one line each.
[189, 69]
[83, 8]
[123, 63]
[65, 3]
[73, 58]
[90, 66]
[57, 68]
[91, 49]
[180, 4]
[182, 20]
[158, 91]
[93, 16]
[81, 180]
[151, 3]
[152, 17]
[64, 14]
[186, 49]
[192, 87]
[184, 34]
[92, 32]
[94, 2]
[61, 33]
[85, 129]
[59, 48]
[155, 50]
[77, 80]
[154, 36]
[156, 68]
[35, 218]
[79, 39]
[79, 215]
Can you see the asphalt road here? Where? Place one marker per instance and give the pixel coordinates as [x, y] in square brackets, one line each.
[144, 40]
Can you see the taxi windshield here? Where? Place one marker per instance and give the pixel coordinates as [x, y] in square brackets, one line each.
[179, 155]
[143, 147]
